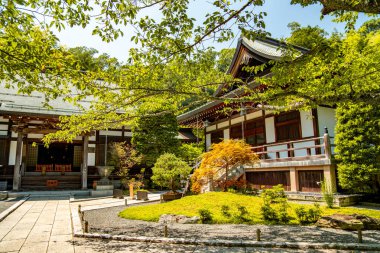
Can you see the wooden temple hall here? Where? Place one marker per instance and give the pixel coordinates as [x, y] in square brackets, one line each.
[26, 164]
[295, 147]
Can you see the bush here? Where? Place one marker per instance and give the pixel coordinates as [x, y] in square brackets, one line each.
[269, 214]
[168, 171]
[231, 190]
[205, 216]
[274, 195]
[275, 205]
[225, 210]
[327, 193]
[308, 216]
[232, 185]
[242, 214]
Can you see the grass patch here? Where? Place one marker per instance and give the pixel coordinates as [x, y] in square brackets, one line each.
[213, 201]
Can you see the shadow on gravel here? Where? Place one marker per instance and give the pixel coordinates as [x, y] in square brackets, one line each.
[107, 221]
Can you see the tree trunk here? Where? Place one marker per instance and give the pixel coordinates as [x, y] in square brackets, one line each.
[225, 179]
[171, 185]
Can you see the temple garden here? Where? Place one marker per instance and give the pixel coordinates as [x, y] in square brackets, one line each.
[228, 207]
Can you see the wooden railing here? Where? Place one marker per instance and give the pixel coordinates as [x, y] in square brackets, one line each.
[309, 148]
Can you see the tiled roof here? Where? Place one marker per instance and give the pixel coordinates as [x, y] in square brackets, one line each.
[264, 49]
[13, 102]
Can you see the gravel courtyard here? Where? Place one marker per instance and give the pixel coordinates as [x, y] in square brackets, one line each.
[107, 221]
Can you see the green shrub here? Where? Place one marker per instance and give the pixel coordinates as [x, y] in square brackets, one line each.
[275, 205]
[225, 210]
[242, 214]
[168, 171]
[327, 193]
[282, 212]
[315, 213]
[205, 216]
[268, 213]
[274, 195]
[308, 216]
[231, 190]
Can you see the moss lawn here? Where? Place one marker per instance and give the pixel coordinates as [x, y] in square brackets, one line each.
[213, 201]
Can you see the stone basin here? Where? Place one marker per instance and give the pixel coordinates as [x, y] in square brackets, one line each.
[104, 172]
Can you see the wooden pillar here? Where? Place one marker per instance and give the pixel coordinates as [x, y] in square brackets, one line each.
[294, 180]
[17, 168]
[85, 162]
[329, 177]
[326, 140]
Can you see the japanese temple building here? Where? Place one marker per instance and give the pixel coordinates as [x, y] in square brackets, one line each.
[26, 164]
[295, 147]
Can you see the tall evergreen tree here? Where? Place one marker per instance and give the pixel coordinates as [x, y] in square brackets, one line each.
[155, 135]
[358, 147]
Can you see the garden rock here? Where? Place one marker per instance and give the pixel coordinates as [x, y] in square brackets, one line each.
[182, 219]
[368, 222]
[348, 222]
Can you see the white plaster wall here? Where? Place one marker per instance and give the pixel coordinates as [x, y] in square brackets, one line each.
[129, 134]
[303, 152]
[208, 141]
[35, 136]
[91, 159]
[278, 147]
[12, 153]
[226, 134]
[3, 120]
[307, 124]
[326, 117]
[92, 138]
[210, 128]
[270, 130]
[224, 124]
[14, 134]
[3, 129]
[254, 115]
[110, 133]
[267, 112]
[237, 120]
[91, 156]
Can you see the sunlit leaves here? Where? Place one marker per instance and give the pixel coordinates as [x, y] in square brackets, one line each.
[221, 159]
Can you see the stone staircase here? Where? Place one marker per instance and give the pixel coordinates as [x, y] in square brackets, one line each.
[39, 183]
[234, 174]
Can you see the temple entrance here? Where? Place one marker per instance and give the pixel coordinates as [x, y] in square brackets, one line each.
[58, 157]
[57, 153]
[54, 168]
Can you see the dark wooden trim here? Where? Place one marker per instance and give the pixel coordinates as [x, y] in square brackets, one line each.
[205, 133]
[8, 146]
[314, 113]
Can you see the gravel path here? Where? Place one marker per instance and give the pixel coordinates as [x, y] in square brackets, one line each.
[107, 221]
[5, 204]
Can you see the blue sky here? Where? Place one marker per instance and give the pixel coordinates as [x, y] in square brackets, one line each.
[279, 14]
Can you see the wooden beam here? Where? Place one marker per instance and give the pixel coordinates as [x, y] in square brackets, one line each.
[39, 131]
